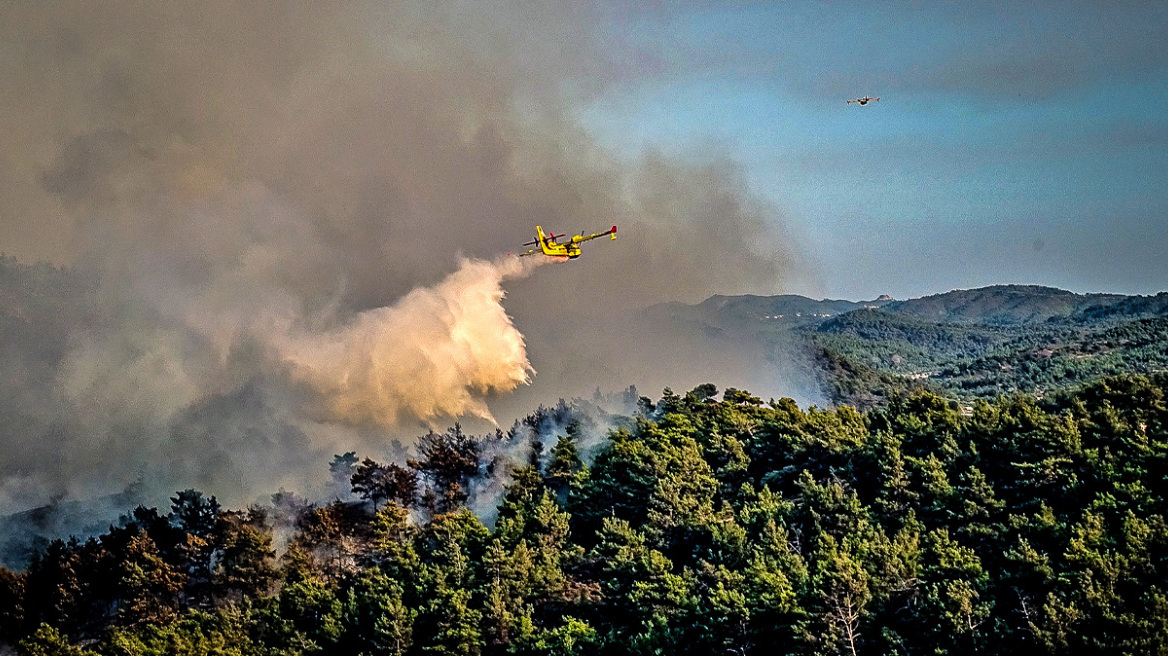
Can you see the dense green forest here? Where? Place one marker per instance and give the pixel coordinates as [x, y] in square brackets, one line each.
[702, 524]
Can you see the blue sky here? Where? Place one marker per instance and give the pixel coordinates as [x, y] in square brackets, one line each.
[1014, 142]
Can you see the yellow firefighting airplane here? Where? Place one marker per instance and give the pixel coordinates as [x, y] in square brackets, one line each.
[569, 249]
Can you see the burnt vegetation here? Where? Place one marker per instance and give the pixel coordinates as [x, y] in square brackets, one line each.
[700, 524]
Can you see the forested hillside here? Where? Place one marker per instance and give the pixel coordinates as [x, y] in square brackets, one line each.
[965, 344]
[702, 525]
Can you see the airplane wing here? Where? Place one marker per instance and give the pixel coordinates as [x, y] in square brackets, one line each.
[581, 238]
[530, 252]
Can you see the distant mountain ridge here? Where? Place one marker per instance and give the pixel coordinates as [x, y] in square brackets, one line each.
[995, 304]
[741, 311]
[965, 343]
[1003, 304]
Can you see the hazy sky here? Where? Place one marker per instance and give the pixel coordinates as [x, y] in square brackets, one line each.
[1014, 142]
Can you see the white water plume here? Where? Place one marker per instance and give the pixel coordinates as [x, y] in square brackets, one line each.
[436, 352]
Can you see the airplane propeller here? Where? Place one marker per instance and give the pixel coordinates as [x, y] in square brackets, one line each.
[550, 237]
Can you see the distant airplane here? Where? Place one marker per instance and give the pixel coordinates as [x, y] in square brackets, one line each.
[863, 101]
[547, 244]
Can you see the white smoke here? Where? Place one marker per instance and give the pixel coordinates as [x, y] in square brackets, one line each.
[436, 352]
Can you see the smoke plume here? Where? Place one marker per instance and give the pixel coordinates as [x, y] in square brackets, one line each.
[273, 227]
[437, 352]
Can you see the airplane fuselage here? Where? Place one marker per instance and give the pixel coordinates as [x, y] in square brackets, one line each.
[569, 249]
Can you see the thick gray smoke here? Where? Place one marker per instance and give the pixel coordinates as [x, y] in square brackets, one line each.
[281, 222]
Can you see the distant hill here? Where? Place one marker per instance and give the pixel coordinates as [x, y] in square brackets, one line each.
[789, 306]
[963, 343]
[1128, 306]
[1002, 304]
[747, 311]
[24, 533]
